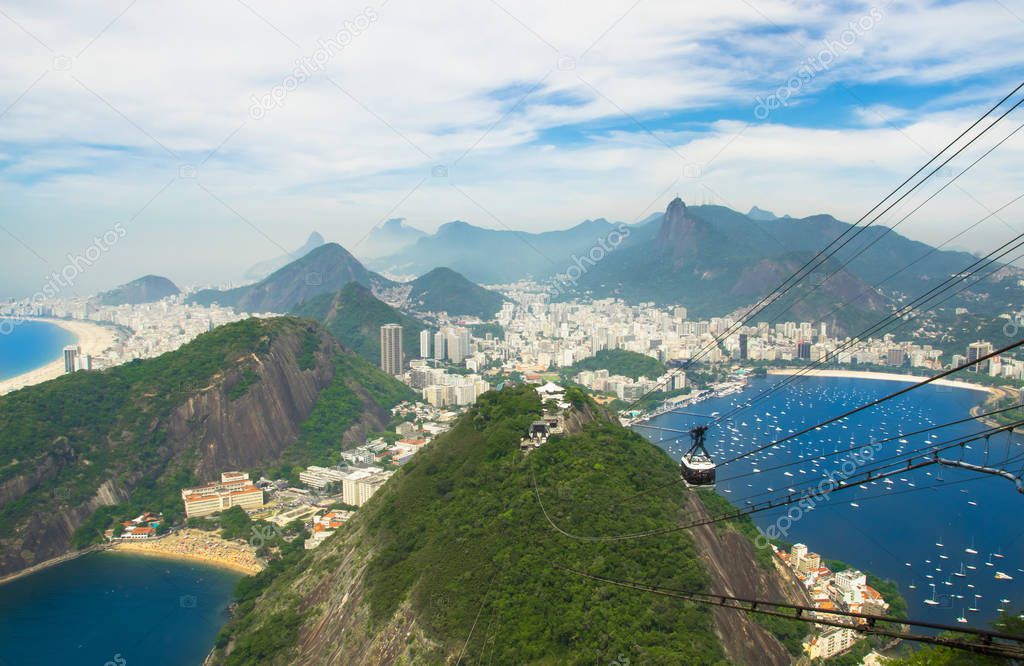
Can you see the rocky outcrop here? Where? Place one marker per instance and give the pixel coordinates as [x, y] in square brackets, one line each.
[732, 564]
[255, 428]
[219, 427]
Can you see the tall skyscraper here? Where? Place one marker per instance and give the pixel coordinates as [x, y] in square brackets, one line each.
[803, 350]
[440, 346]
[425, 339]
[392, 360]
[976, 350]
[71, 354]
[743, 346]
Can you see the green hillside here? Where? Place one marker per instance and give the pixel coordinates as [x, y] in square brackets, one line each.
[619, 362]
[324, 270]
[89, 447]
[442, 289]
[354, 316]
[456, 554]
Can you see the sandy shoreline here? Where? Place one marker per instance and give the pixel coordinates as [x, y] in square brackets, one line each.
[91, 337]
[196, 546]
[885, 376]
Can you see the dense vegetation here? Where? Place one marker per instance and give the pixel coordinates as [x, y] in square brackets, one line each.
[619, 362]
[459, 535]
[354, 317]
[494, 329]
[90, 427]
[105, 417]
[444, 290]
[337, 409]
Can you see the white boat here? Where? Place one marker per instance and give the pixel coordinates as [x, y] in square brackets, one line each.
[1002, 576]
[932, 601]
[962, 619]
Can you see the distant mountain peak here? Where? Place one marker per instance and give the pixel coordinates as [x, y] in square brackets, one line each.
[762, 215]
[265, 268]
[146, 289]
[396, 224]
[677, 226]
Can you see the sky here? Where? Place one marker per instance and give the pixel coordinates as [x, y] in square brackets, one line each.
[205, 137]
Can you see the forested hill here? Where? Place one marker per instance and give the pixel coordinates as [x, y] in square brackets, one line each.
[619, 362]
[454, 559]
[354, 316]
[86, 449]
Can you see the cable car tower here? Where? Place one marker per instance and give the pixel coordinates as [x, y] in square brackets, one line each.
[697, 467]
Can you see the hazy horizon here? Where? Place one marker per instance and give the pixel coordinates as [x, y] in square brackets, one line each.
[228, 143]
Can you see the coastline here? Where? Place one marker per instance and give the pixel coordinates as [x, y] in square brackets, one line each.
[92, 337]
[52, 562]
[196, 546]
[884, 376]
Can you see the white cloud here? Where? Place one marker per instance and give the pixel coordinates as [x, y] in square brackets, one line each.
[91, 144]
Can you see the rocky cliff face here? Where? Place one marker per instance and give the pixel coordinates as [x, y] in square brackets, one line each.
[254, 428]
[211, 430]
[735, 571]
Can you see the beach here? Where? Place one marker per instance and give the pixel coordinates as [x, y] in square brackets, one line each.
[198, 546]
[886, 376]
[91, 337]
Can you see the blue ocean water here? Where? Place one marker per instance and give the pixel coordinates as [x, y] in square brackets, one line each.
[114, 608]
[893, 529]
[30, 345]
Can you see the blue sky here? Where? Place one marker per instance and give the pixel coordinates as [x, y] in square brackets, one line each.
[222, 135]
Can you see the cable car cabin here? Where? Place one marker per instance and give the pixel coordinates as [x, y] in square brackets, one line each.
[697, 466]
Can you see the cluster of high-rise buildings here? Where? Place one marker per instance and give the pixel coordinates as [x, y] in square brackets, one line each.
[449, 343]
[441, 388]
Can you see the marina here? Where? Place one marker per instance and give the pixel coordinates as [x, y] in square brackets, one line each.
[943, 548]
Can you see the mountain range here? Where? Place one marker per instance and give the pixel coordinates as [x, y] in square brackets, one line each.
[713, 260]
[329, 268]
[389, 238]
[324, 270]
[492, 256]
